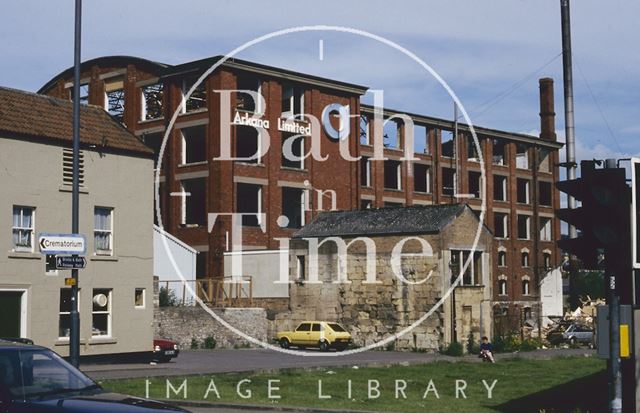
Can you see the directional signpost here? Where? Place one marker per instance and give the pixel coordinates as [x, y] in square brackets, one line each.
[67, 244]
[70, 263]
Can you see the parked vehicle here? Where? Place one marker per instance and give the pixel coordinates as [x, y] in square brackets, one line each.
[577, 333]
[321, 334]
[34, 379]
[164, 350]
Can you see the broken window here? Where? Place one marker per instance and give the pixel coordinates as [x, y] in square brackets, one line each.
[525, 287]
[500, 224]
[420, 139]
[292, 102]
[301, 267]
[201, 264]
[247, 144]
[544, 160]
[366, 204]
[392, 175]
[448, 181]
[499, 152]
[547, 260]
[525, 259]
[473, 271]
[249, 201]
[365, 133]
[523, 190]
[294, 145]
[391, 134]
[545, 229]
[194, 205]
[151, 101]
[502, 258]
[446, 137]
[524, 227]
[499, 188]
[472, 150]
[522, 156]
[194, 144]
[154, 141]
[293, 206]
[245, 101]
[114, 97]
[422, 178]
[198, 98]
[474, 183]
[84, 93]
[544, 193]
[365, 171]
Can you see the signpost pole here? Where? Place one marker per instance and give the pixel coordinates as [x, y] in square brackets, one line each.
[74, 334]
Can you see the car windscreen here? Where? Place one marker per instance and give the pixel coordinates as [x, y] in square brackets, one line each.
[337, 328]
[35, 373]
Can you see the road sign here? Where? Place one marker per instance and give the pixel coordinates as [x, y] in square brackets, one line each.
[69, 244]
[70, 263]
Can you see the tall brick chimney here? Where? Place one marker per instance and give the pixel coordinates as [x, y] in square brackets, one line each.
[547, 113]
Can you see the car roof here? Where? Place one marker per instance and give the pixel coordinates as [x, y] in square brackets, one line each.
[14, 345]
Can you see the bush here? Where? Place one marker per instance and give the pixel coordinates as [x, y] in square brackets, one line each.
[472, 346]
[530, 344]
[194, 343]
[391, 346]
[209, 343]
[167, 298]
[454, 349]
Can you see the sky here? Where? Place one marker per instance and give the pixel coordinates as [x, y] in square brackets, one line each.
[491, 53]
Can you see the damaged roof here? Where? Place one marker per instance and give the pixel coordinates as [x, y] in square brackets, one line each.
[26, 115]
[417, 219]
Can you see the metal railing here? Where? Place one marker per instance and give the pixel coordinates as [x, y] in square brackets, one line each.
[217, 292]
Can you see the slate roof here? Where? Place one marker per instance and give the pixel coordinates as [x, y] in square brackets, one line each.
[33, 116]
[417, 219]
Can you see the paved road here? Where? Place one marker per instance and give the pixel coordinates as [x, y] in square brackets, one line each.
[244, 360]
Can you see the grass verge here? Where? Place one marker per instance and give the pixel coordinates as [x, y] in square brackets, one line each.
[553, 386]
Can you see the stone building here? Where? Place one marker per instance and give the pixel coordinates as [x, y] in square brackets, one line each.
[344, 269]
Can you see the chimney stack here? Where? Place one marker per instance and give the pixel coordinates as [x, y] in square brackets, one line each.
[547, 113]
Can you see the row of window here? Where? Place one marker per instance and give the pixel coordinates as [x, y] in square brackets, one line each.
[24, 229]
[501, 226]
[393, 139]
[101, 311]
[422, 182]
[524, 261]
[502, 287]
[248, 201]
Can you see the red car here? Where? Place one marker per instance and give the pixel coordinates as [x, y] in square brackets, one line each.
[164, 350]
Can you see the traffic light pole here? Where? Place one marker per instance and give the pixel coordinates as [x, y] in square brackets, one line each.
[615, 375]
[74, 333]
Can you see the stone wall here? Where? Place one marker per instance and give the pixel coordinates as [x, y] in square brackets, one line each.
[182, 324]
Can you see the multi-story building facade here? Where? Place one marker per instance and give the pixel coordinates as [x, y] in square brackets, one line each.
[116, 288]
[520, 169]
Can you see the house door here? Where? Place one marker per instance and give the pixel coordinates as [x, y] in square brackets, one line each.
[11, 310]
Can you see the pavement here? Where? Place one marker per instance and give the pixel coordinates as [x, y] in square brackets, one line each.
[191, 362]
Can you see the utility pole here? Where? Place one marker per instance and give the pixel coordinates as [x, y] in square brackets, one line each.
[74, 334]
[567, 71]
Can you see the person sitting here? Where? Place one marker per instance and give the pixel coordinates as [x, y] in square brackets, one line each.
[486, 349]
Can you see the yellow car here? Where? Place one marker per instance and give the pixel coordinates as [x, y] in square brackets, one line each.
[321, 334]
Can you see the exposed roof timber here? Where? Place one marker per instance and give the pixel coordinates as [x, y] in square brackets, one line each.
[463, 127]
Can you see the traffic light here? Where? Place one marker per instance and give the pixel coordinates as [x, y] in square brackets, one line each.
[603, 218]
